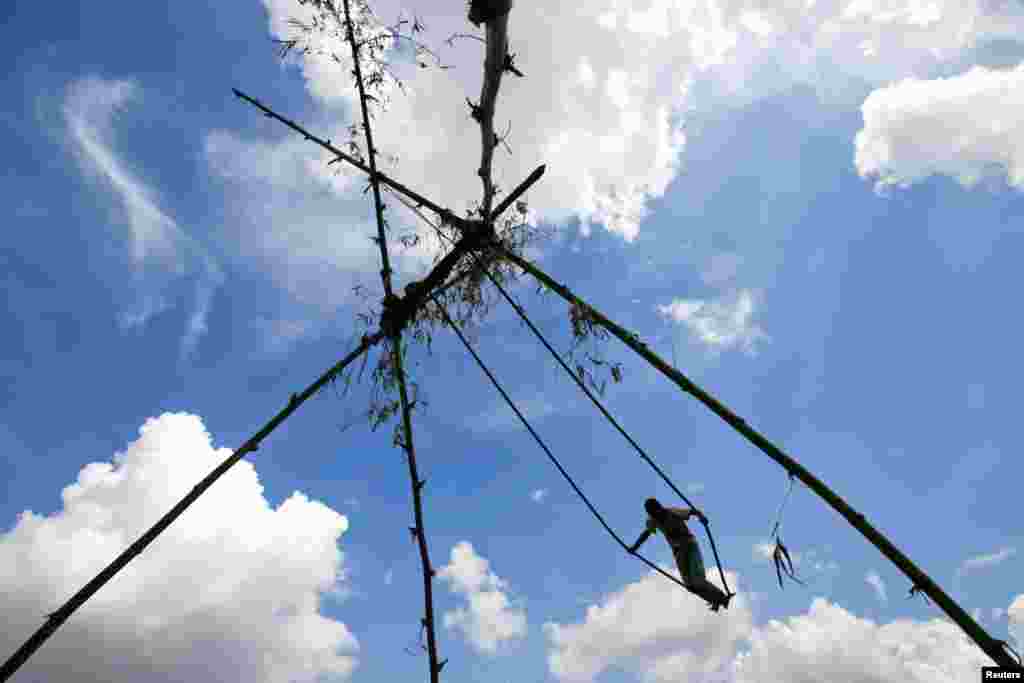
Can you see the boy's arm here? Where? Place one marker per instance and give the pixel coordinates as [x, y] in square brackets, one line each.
[640, 541]
[652, 528]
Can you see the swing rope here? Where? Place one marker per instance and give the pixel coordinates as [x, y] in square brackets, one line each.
[551, 456]
[607, 415]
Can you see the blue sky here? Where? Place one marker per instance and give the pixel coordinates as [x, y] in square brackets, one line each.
[814, 211]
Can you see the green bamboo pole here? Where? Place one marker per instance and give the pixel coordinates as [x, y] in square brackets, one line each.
[395, 333]
[992, 647]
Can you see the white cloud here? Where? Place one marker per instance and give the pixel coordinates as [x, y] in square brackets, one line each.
[603, 81]
[607, 92]
[973, 564]
[148, 306]
[651, 627]
[831, 644]
[600, 118]
[727, 322]
[489, 620]
[875, 581]
[539, 495]
[161, 251]
[207, 286]
[660, 633]
[230, 591]
[968, 127]
[324, 79]
[90, 108]
[836, 45]
[293, 217]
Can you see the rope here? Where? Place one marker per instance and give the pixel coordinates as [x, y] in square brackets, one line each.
[546, 450]
[782, 506]
[607, 415]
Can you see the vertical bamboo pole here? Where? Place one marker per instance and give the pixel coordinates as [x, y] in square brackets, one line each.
[395, 334]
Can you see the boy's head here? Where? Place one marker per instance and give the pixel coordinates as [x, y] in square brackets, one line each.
[653, 508]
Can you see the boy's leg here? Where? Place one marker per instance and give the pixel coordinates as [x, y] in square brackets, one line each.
[708, 591]
[697, 581]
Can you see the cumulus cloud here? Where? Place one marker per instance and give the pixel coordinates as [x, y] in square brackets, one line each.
[324, 79]
[968, 127]
[539, 495]
[651, 627]
[828, 643]
[609, 89]
[877, 584]
[161, 251]
[601, 119]
[230, 591]
[723, 323]
[488, 620]
[973, 564]
[660, 633]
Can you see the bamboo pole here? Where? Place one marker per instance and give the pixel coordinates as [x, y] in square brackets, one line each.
[992, 647]
[395, 334]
